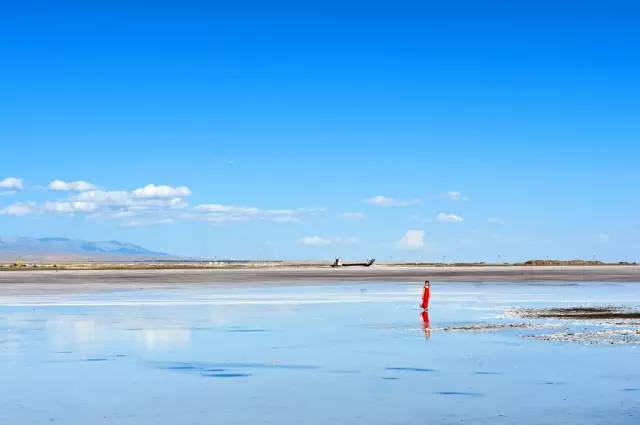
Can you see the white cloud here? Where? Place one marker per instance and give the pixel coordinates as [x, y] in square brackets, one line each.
[413, 239]
[352, 215]
[603, 237]
[150, 222]
[101, 197]
[449, 218]
[70, 207]
[226, 209]
[228, 161]
[345, 240]
[494, 220]
[19, 209]
[11, 183]
[219, 213]
[119, 201]
[76, 186]
[454, 195]
[383, 201]
[162, 191]
[322, 241]
[150, 204]
[315, 241]
[118, 205]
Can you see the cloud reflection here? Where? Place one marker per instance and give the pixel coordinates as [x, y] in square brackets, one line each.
[157, 339]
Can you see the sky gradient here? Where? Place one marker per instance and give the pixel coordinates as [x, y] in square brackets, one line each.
[488, 131]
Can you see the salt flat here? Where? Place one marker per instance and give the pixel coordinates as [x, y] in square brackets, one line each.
[312, 352]
[21, 282]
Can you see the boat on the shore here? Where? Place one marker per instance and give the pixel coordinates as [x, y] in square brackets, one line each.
[338, 263]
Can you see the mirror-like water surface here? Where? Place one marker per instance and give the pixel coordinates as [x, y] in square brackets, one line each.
[340, 354]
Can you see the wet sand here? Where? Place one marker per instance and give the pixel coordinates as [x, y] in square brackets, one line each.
[27, 282]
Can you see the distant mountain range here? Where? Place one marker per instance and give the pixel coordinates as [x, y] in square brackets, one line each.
[54, 248]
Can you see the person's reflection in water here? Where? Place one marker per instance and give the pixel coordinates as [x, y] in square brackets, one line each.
[425, 324]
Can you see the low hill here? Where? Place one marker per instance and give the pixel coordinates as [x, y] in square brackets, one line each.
[71, 249]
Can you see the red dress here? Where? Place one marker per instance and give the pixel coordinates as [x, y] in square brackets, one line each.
[425, 298]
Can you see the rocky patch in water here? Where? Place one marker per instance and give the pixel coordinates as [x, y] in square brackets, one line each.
[581, 313]
[609, 337]
[485, 327]
[585, 325]
[609, 325]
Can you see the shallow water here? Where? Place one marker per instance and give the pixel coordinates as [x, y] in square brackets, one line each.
[340, 354]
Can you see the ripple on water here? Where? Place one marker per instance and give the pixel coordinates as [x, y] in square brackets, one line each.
[246, 330]
[410, 369]
[226, 375]
[459, 393]
[224, 370]
[227, 365]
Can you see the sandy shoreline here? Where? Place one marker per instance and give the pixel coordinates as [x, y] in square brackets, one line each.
[33, 282]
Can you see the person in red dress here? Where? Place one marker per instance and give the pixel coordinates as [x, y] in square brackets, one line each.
[426, 294]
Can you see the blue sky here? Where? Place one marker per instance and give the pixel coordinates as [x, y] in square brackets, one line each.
[401, 130]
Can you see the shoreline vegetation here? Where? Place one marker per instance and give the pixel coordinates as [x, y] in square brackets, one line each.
[20, 265]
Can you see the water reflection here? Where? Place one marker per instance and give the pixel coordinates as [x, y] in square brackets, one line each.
[325, 355]
[426, 325]
[77, 332]
[156, 339]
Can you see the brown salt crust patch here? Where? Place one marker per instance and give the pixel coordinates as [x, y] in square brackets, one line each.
[495, 327]
[577, 313]
[607, 337]
[486, 327]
